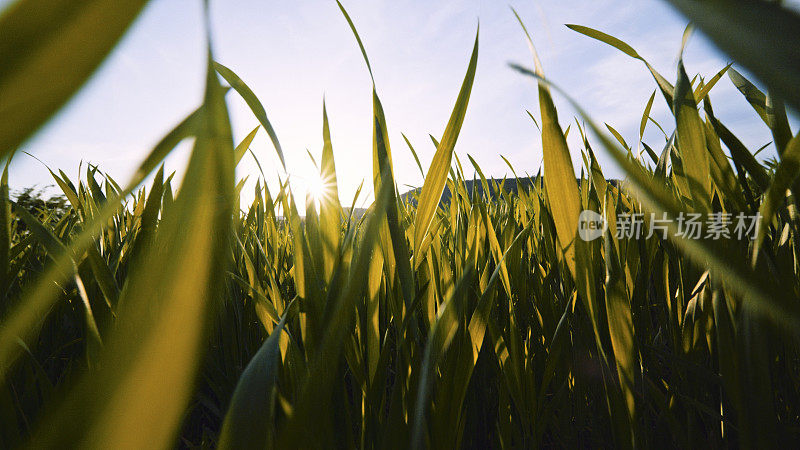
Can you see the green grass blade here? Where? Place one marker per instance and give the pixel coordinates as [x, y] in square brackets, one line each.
[758, 293]
[646, 115]
[437, 172]
[254, 103]
[20, 322]
[414, 154]
[664, 85]
[243, 146]
[358, 39]
[692, 142]
[330, 211]
[5, 228]
[40, 38]
[753, 95]
[559, 178]
[249, 420]
[701, 92]
[787, 172]
[162, 310]
[760, 36]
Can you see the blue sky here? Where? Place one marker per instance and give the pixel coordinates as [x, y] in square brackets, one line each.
[292, 53]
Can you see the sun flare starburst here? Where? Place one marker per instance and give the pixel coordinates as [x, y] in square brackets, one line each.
[319, 189]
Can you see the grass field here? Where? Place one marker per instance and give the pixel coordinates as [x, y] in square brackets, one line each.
[159, 314]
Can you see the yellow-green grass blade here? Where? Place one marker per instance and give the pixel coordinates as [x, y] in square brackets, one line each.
[739, 153]
[249, 420]
[55, 247]
[5, 229]
[69, 191]
[300, 247]
[616, 134]
[20, 322]
[753, 95]
[372, 331]
[702, 91]
[781, 130]
[330, 211]
[382, 171]
[769, 108]
[535, 122]
[721, 170]
[254, 103]
[103, 276]
[484, 183]
[760, 36]
[162, 310]
[393, 240]
[434, 183]
[185, 129]
[729, 360]
[620, 326]
[414, 153]
[315, 397]
[559, 178]
[149, 216]
[757, 293]
[785, 175]
[358, 39]
[564, 201]
[664, 85]
[44, 235]
[692, 142]
[441, 336]
[243, 146]
[646, 115]
[45, 57]
[479, 319]
[559, 174]
[381, 150]
[314, 240]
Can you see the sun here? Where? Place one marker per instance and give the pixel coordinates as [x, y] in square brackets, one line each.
[318, 189]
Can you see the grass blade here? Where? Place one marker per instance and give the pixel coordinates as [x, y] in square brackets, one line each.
[254, 103]
[437, 172]
[39, 38]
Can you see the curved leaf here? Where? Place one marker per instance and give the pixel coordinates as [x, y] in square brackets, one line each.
[254, 103]
[437, 172]
[42, 38]
[249, 420]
